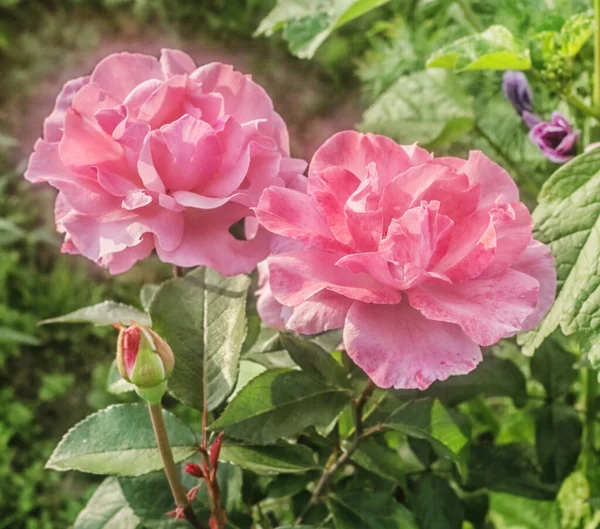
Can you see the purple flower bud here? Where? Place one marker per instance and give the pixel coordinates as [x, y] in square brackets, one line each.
[517, 90]
[530, 119]
[556, 139]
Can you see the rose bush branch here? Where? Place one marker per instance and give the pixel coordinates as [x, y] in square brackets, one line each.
[331, 469]
[145, 360]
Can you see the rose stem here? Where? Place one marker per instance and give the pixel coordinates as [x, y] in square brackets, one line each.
[329, 471]
[596, 93]
[164, 447]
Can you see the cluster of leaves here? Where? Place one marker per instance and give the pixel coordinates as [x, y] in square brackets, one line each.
[288, 408]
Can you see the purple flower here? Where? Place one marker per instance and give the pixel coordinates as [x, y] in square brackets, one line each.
[556, 138]
[517, 90]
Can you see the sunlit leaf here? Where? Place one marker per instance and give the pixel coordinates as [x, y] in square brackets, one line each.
[493, 49]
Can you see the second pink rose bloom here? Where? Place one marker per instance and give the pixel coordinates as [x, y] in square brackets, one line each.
[420, 260]
[161, 155]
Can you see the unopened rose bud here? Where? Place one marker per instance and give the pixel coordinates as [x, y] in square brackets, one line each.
[194, 470]
[215, 450]
[191, 495]
[144, 359]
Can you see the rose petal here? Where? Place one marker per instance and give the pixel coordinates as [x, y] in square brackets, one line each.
[537, 261]
[120, 73]
[397, 346]
[81, 191]
[186, 154]
[486, 309]
[176, 62]
[332, 188]
[513, 234]
[298, 275]
[83, 145]
[495, 182]
[471, 248]
[53, 125]
[324, 311]
[293, 214]
[354, 151]
[268, 308]
[122, 261]
[207, 241]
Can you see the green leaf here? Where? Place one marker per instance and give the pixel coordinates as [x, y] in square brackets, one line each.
[246, 372]
[553, 368]
[429, 419]
[575, 33]
[150, 497]
[280, 403]
[476, 507]
[494, 376]
[202, 316]
[573, 500]
[147, 294]
[568, 219]
[307, 23]
[368, 510]
[315, 361]
[428, 107]
[119, 440]
[9, 231]
[544, 45]
[105, 313]
[267, 341]
[107, 509]
[494, 49]
[8, 335]
[375, 456]
[436, 505]
[282, 458]
[116, 384]
[558, 432]
[286, 485]
[508, 511]
[507, 468]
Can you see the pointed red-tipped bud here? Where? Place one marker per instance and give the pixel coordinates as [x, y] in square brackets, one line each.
[215, 450]
[213, 523]
[192, 492]
[194, 470]
[177, 513]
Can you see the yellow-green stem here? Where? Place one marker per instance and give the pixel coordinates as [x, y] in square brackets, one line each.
[591, 396]
[164, 448]
[470, 17]
[596, 93]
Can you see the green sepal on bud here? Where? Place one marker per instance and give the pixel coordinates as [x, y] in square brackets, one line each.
[145, 360]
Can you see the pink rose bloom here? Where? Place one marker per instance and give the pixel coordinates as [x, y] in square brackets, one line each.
[420, 260]
[271, 312]
[161, 155]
